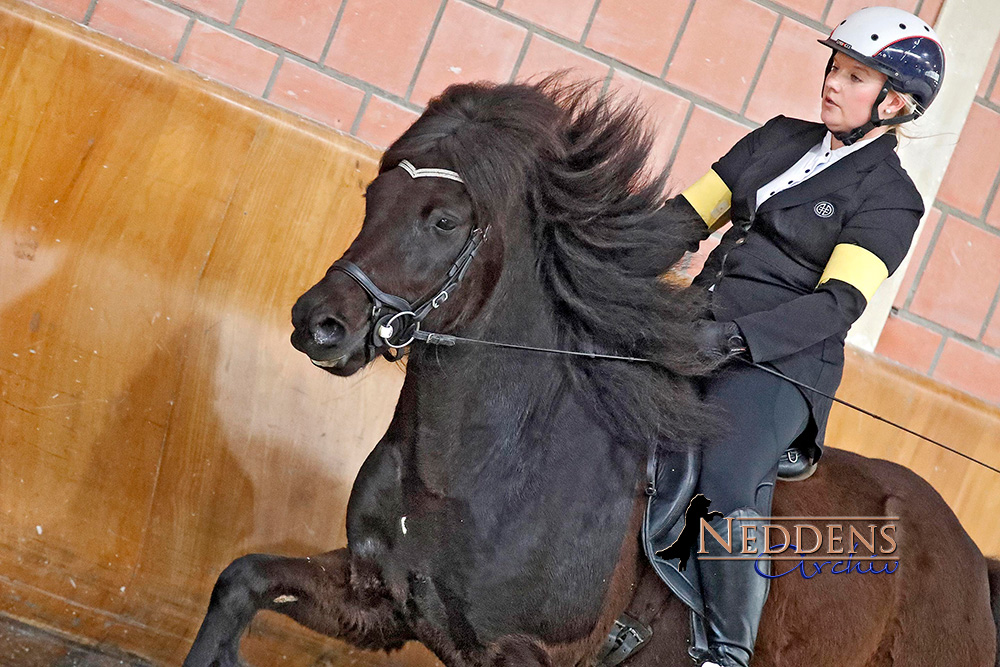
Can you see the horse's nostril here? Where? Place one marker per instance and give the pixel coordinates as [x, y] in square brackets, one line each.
[327, 331]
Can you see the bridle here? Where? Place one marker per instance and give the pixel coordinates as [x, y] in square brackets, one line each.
[394, 321]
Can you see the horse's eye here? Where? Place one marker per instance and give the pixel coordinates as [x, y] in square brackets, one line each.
[444, 224]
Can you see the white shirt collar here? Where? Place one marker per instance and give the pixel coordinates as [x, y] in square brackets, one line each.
[843, 151]
[816, 160]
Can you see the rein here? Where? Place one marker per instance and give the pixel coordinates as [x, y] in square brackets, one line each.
[448, 340]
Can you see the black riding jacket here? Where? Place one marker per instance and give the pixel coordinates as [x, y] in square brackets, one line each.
[796, 273]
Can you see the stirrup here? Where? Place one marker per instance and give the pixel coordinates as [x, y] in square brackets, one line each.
[709, 661]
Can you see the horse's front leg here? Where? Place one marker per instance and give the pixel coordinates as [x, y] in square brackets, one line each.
[318, 592]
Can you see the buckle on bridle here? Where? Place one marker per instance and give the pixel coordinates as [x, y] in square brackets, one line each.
[439, 299]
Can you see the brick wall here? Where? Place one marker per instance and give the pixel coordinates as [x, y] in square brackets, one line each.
[709, 70]
[944, 321]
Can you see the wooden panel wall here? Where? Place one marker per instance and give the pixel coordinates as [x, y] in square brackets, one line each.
[154, 421]
[154, 234]
[958, 420]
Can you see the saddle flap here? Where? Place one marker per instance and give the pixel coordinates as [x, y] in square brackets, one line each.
[673, 486]
[675, 480]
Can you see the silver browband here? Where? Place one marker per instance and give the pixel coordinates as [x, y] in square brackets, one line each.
[430, 172]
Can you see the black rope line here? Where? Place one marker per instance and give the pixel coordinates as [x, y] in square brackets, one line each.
[866, 412]
[449, 340]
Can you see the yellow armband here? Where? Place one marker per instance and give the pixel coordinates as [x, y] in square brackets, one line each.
[712, 198]
[856, 266]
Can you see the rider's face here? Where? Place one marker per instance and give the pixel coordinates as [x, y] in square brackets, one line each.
[849, 91]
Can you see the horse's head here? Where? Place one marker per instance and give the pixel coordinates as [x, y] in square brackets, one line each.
[419, 239]
[456, 176]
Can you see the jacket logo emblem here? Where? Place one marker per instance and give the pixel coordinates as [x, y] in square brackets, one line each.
[824, 209]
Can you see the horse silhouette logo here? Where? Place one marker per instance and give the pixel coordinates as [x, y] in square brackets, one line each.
[681, 548]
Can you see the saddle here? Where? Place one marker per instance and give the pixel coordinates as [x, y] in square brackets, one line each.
[676, 475]
[673, 477]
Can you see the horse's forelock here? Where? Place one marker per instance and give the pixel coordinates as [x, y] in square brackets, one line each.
[494, 135]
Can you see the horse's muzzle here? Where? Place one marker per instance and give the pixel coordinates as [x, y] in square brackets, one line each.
[323, 335]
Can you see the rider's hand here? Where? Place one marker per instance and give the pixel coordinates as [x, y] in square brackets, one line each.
[719, 341]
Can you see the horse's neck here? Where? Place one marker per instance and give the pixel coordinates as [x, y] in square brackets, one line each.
[496, 471]
[470, 413]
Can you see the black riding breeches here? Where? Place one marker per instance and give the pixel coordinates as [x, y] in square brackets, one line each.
[764, 414]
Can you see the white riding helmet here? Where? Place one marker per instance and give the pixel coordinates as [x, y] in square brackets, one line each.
[901, 46]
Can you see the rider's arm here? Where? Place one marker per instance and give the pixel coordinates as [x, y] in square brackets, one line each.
[705, 206]
[869, 249]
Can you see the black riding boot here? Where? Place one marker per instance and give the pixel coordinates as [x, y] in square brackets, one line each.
[733, 591]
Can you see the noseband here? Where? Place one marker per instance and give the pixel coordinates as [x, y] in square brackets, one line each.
[394, 321]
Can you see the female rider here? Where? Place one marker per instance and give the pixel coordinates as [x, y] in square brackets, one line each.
[822, 213]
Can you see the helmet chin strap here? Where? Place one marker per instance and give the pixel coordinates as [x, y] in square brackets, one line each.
[852, 136]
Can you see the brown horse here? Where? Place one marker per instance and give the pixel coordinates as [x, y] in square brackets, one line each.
[497, 520]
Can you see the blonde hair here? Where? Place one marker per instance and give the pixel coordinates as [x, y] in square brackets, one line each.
[909, 106]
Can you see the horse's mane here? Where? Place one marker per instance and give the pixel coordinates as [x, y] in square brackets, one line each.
[576, 161]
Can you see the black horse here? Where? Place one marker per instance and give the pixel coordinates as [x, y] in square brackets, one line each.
[497, 520]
